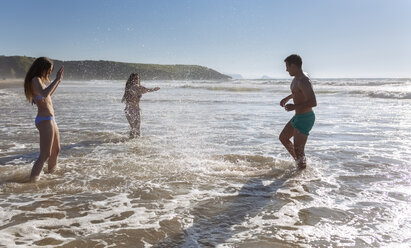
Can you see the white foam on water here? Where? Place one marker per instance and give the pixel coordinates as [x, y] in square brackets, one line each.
[209, 150]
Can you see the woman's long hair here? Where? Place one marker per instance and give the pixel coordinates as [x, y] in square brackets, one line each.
[40, 68]
[130, 82]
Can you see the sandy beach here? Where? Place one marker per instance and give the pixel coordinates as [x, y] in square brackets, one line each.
[11, 82]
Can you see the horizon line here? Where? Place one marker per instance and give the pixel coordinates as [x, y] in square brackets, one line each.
[224, 73]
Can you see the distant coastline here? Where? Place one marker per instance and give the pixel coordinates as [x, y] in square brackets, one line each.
[15, 67]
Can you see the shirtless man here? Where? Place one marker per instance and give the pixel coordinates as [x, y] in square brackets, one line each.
[304, 100]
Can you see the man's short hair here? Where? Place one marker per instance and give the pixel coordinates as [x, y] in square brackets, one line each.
[294, 59]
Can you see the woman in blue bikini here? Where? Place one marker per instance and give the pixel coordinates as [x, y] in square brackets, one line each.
[37, 93]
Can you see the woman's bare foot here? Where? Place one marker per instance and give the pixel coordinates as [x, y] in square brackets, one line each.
[52, 170]
[34, 179]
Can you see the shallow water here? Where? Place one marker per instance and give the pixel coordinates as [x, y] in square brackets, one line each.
[209, 170]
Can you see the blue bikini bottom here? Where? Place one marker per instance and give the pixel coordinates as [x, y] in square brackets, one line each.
[44, 118]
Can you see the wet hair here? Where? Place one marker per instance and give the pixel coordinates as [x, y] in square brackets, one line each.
[130, 82]
[40, 68]
[294, 59]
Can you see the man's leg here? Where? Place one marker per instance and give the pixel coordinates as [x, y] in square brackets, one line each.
[299, 145]
[285, 137]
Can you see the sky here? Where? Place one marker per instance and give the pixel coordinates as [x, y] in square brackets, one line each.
[350, 38]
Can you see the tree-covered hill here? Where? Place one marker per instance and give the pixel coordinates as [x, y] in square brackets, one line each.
[17, 66]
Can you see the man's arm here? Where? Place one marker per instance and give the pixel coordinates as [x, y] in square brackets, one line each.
[285, 100]
[307, 89]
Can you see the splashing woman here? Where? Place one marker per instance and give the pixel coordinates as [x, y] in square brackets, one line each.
[132, 95]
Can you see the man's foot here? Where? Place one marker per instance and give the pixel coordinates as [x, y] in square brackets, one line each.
[302, 167]
[301, 163]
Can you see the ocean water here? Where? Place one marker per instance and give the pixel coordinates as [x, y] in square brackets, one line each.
[209, 170]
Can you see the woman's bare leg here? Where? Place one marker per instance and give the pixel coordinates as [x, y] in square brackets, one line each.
[129, 117]
[46, 141]
[137, 123]
[55, 150]
[130, 120]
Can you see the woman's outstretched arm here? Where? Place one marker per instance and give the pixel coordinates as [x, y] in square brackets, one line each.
[145, 90]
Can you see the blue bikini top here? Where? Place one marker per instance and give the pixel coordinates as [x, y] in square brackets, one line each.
[37, 98]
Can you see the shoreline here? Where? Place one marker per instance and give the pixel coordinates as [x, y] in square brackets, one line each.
[11, 82]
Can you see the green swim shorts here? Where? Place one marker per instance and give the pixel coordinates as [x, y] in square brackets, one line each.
[303, 122]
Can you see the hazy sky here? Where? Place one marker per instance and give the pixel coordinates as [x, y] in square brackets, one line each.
[347, 38]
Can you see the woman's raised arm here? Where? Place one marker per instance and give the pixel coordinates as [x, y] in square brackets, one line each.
[49, 90]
